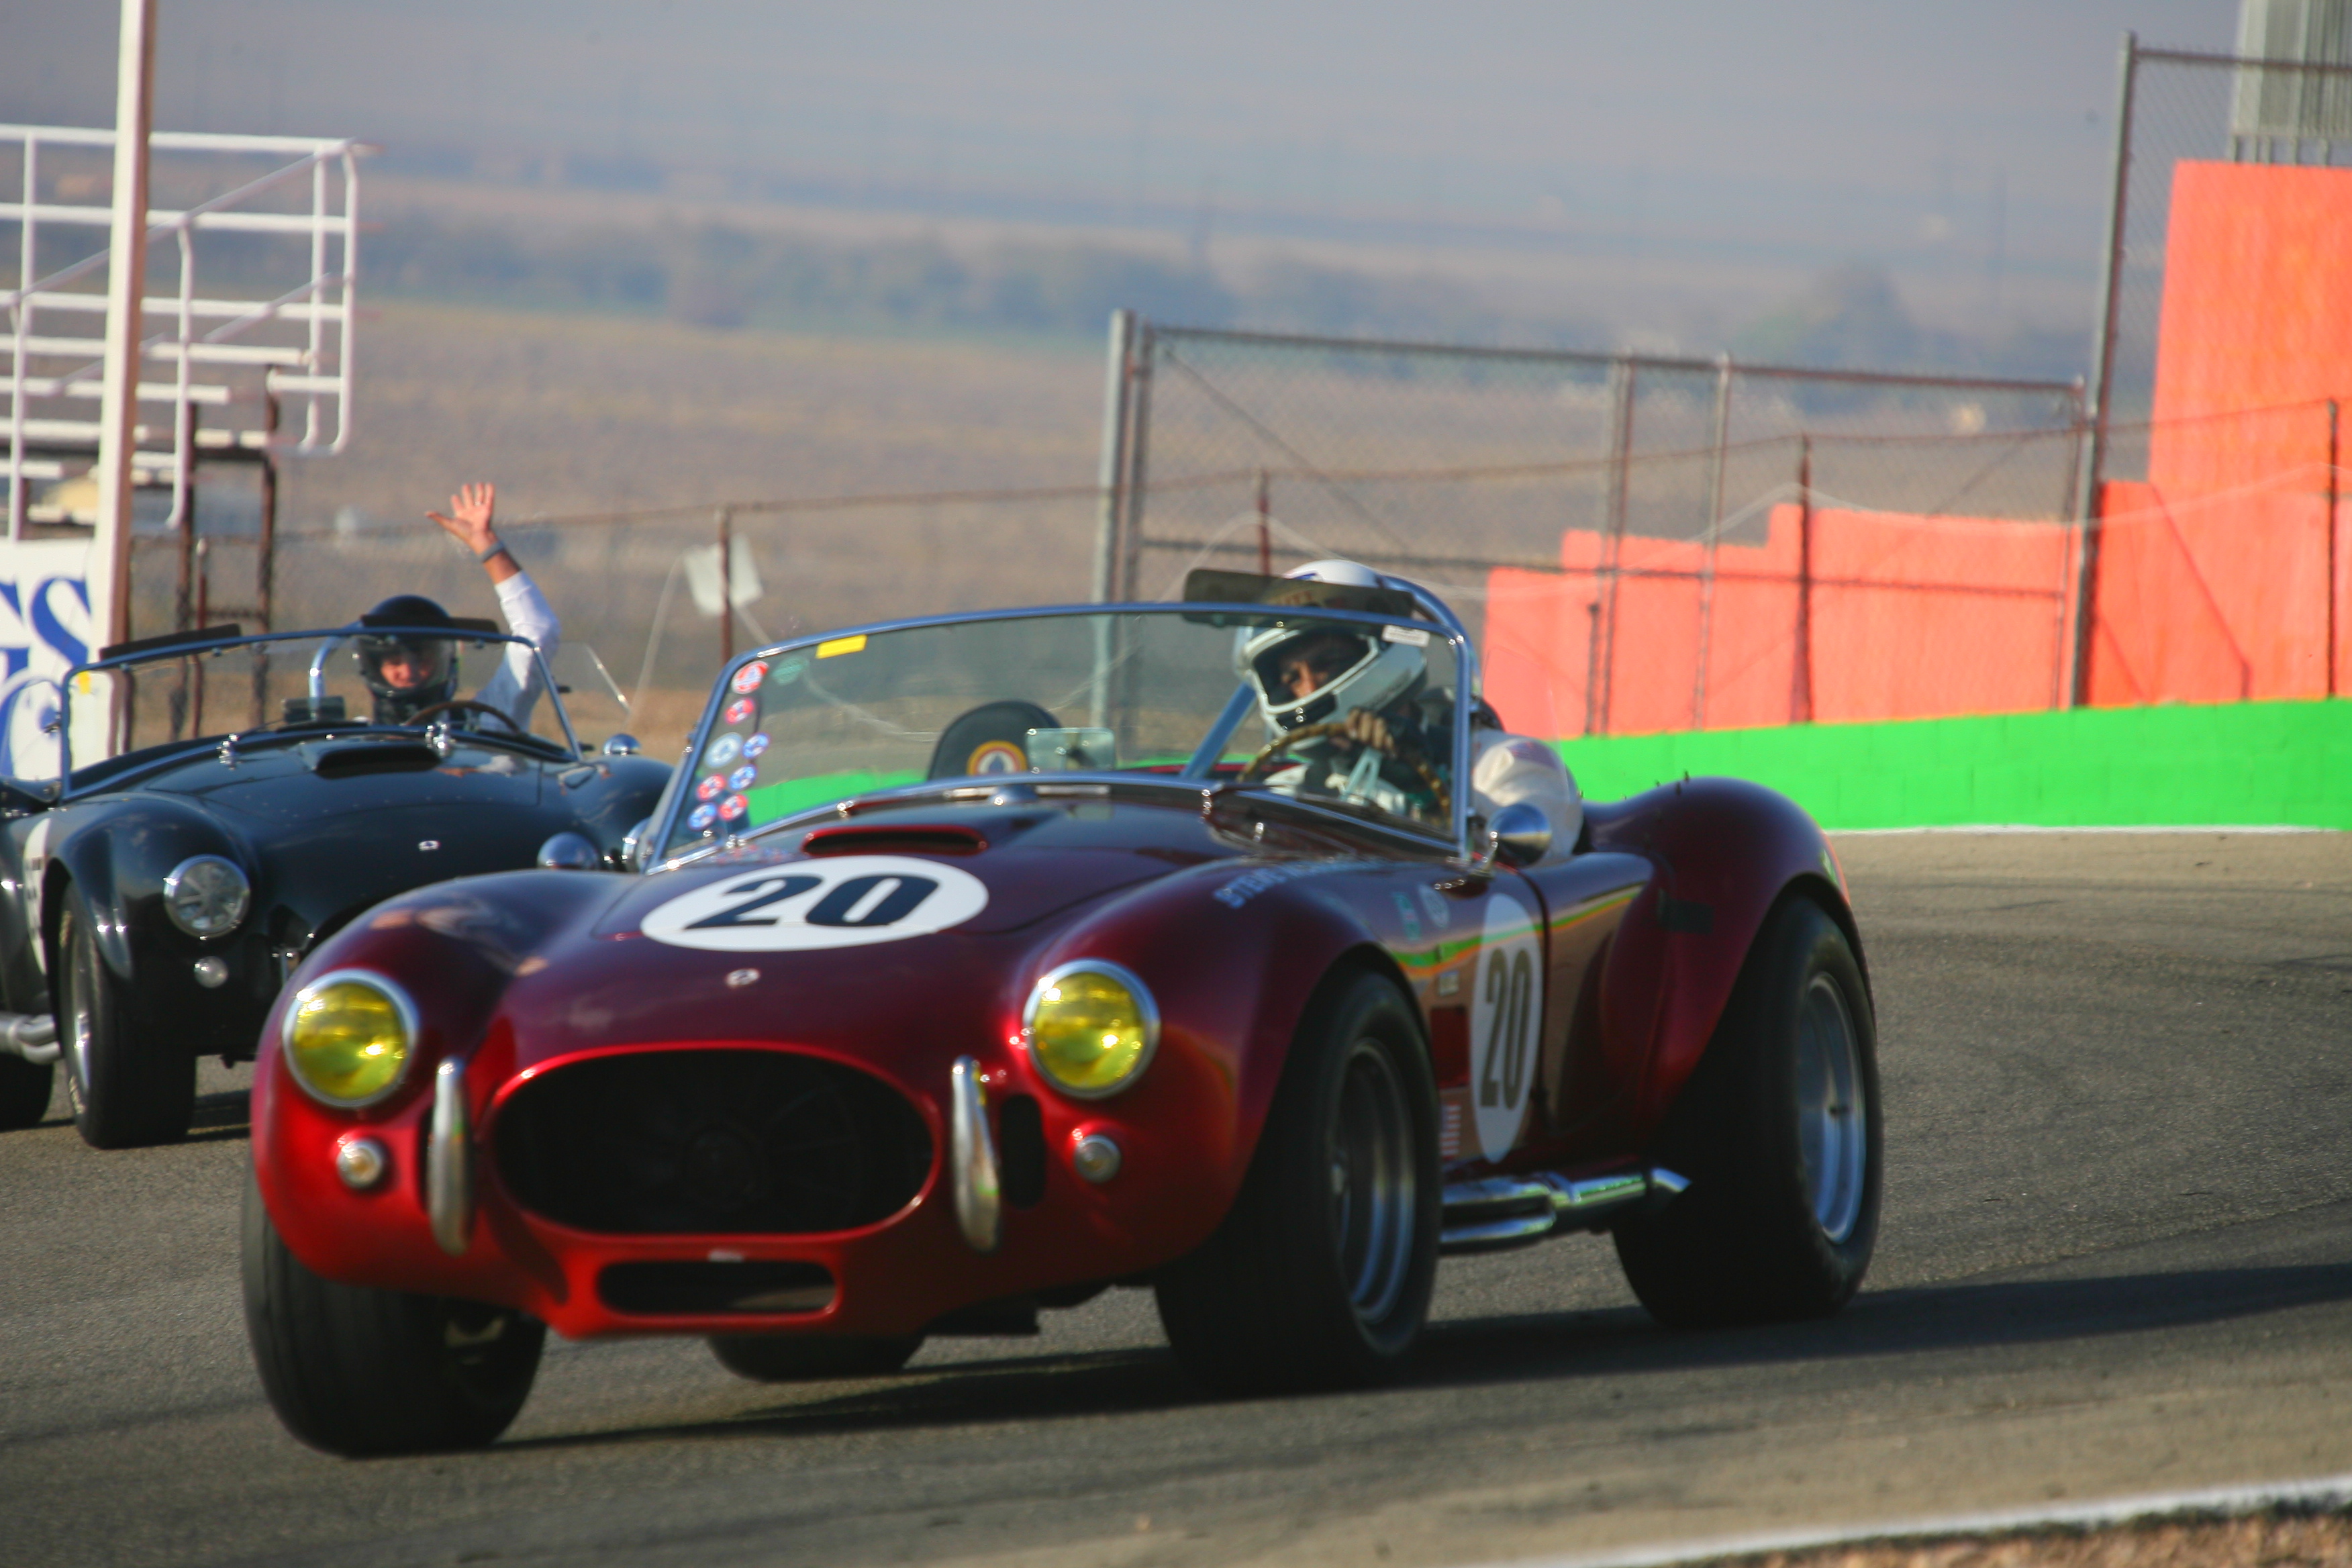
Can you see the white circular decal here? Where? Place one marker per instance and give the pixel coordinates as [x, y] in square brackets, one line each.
[851, 901]
[1506, 1014]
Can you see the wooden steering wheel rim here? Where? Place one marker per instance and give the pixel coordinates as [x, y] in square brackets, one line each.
[1290, 738]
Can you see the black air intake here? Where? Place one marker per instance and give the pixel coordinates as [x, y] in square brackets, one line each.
[699, 1143]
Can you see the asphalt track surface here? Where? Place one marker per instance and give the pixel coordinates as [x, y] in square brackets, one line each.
[2117, 1258]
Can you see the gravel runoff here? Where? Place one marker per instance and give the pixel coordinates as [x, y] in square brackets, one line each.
[2305, 1524]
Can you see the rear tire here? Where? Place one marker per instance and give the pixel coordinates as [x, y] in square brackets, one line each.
[1778, 1132]
[25, 1090]
[1320, 1276]
[797, 1358]
[127, 1089]
[356, 1371]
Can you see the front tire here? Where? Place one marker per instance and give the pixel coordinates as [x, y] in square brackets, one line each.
[1779, 1133]
[24, 1092]
[356, 1371]
[797, 1358]
[1320, 1276]
[127, 1089]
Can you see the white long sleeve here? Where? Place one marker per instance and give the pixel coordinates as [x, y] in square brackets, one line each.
[1510, 769]
[514, 689]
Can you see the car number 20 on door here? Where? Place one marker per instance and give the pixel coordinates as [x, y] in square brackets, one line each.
[1505, 1012]
[856, 901]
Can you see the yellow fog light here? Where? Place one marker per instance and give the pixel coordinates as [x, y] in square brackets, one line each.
[349, 1037]
[1091, 1028]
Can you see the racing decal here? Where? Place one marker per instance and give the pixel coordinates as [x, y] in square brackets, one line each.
[1437, 907]
[1250, 884]
[733, 806]
[840, 645]
[723, 753]
[1410, 916]
[755, 745]
[742, 777]
[701, 816]
[711, 788]
[742, 708]
[747, 679]
[1505, 1012]
[854, 900]
[997, 757]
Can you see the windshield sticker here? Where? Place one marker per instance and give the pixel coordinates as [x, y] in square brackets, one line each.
[733, 806]
[789, 670]
[723, 750]
[1412, 636]
[997, 757]
[742, 708]
[701, 816]
[840, 645]
[711, 788]
[747, 679]
[855, 900]
[755, 745]
[1505, 1012]
[742, 777]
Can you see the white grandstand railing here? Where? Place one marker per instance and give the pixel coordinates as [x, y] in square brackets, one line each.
[308, 361]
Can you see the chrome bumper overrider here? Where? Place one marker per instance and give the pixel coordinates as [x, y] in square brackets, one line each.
[1502, 1212]
[971, 1161]
[450, 1161]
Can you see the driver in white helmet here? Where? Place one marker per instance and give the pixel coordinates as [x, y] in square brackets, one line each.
[1376, 689]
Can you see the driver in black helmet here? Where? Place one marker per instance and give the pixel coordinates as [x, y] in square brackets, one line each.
[411, 674]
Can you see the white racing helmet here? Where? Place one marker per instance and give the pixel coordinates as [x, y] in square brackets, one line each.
[1355, 667]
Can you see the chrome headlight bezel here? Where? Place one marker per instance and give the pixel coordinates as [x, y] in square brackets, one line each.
[404, 1008]
[199, 875]
[1146, 1008]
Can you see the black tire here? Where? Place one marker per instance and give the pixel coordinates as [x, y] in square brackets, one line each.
[1320, 1276]
[797, 1358]
[358, 1371]
[24, 1092]
[1779, 1133]
[128, 1088]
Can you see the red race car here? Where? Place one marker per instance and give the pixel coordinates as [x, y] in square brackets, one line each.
[976, 964]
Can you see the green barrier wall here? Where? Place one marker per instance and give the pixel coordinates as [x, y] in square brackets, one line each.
[2244, 764]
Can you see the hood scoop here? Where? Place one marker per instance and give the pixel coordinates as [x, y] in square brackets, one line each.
[895, 838]
[373, 757]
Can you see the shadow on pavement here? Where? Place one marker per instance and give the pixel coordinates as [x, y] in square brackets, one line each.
[1537, 1347]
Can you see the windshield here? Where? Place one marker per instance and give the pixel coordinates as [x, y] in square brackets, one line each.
[1345, 710]
[298, 684]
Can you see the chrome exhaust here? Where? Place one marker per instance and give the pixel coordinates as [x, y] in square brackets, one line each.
[1497, 1213]
[32, 1035]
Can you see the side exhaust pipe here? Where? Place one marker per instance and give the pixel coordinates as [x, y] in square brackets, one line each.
[1498, 1213]
[32, 1035]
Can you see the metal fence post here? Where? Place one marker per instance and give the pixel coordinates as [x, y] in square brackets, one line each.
[1620, 461]
[1714, 533]
[2091, 503]
[2334, 492]
[1800, 701]
[726, 585]
[1265, 524]
[1139, 452]
[1112, 471]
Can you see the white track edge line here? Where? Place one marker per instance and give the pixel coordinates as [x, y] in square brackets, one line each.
[1989, 828]
[2326, 1491]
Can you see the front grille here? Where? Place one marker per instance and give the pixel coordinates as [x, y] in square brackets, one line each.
[733, 1141]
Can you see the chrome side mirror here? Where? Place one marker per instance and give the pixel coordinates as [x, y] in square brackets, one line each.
[637, 845]
[569, 852]
[622, 746]
[1521, 834]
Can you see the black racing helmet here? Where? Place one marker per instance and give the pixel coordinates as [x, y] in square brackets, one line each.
[427, 666]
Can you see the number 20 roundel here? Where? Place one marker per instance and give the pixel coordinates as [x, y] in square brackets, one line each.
[1506, 1014]
[853, 901]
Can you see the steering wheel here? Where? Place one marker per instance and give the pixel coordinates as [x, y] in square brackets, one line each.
[1289, 738]
[467, 705]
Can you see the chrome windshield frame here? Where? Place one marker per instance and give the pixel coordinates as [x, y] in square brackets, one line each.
[333, 636]
[1442, 623]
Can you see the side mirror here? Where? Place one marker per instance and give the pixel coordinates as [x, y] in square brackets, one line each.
[637, 845]
[622, 746]
[1521, 834]
[569, 852]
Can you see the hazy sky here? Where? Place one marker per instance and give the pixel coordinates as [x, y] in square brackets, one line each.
[1863, 126]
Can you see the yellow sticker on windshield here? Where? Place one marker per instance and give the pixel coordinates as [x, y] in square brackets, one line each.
[841, 645]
